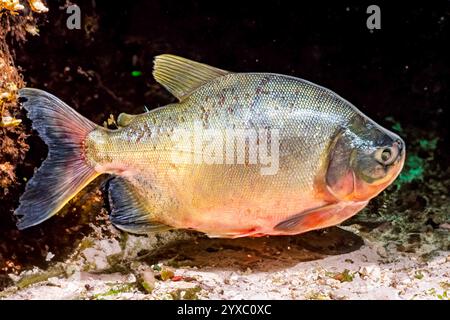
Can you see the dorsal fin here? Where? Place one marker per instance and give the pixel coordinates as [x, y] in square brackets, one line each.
[181, 76]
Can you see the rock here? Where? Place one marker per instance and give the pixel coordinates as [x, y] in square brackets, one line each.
[49, 256]
[98, 255]
[166, 274]
[372, 272]
[147, 280]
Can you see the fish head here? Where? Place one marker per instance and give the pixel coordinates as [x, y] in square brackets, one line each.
[364, 159]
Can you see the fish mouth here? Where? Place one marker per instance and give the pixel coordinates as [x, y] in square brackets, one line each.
[399, 145]
[400, 160]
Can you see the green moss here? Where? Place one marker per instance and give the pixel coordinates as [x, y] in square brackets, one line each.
[123, 240]
[415, 165]
[117, 264]
[147, 287]
[428, 145]
[115, 291]
[397, 127]
[414, 170]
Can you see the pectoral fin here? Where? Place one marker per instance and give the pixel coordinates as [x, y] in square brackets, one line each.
[129, 211]
[181, 76]
[292, 222]
[320, 217]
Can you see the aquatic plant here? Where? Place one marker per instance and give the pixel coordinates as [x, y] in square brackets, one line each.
[415, 165]
[413, 170]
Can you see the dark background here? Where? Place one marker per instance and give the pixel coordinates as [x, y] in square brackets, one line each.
[401, 71]
[399, 76]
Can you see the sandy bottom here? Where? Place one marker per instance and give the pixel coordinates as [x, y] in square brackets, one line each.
[335, 264]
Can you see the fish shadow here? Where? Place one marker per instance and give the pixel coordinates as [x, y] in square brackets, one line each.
[259, 254]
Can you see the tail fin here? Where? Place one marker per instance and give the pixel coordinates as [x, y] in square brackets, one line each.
[65, 172]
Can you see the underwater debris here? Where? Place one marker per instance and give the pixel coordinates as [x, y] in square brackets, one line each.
[9, 95]
[418, 275]
[186, 294]
[344, 276]
[166, 274]
[110, 123]
[13, 133]
[12, 6]
[15, 6]
[7, 121]
[37, 6]
[315, 295]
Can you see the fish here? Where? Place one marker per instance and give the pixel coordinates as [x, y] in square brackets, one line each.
[239, 154]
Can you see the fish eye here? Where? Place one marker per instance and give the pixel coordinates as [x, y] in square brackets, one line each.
[385, 156]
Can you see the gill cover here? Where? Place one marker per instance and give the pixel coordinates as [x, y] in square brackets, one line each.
[340, 178]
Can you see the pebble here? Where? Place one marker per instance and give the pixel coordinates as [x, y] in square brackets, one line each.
[148, 280]
[49, 256]
[372, 272]
[97, 255]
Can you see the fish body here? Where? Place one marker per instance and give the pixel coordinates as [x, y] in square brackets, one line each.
[240, 154]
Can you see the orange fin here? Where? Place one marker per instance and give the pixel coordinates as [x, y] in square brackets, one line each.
[320, 217]
[292, 222]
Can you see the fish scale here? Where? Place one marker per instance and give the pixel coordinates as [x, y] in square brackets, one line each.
[325, 155]
[259, 101]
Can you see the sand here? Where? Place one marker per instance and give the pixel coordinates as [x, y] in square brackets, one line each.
[177, 265]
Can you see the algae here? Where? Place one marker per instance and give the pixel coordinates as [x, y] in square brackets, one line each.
[115, 291]
[29, 280]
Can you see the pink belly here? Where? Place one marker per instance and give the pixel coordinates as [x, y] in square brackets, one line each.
[236, 222]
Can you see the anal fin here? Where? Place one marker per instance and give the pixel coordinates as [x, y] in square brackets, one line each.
[129, 211]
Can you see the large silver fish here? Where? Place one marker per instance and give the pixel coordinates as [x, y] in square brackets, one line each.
[240, 154]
